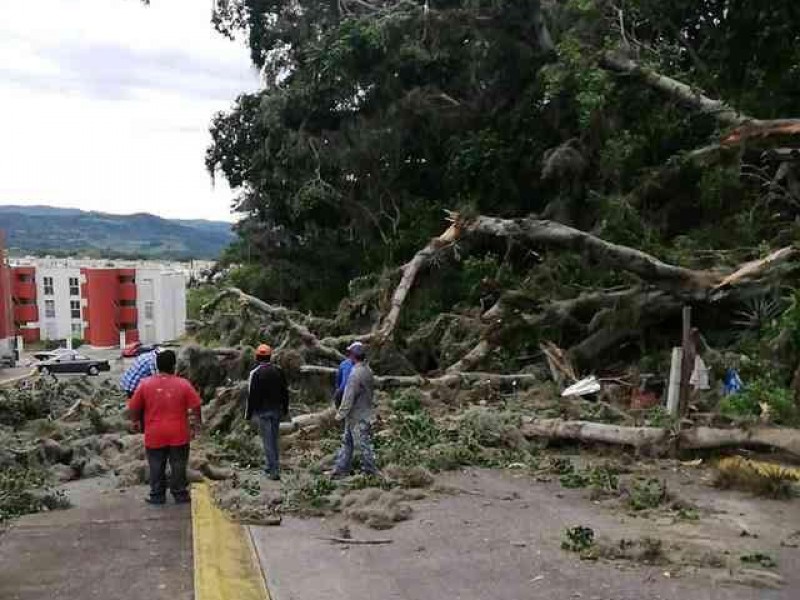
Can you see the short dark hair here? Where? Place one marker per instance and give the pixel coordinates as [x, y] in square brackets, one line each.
[165, 361]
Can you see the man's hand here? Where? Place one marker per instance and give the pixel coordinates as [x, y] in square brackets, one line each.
[136, 426]
[339, 417]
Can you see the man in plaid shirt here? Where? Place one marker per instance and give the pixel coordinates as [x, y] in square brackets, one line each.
[144, 366]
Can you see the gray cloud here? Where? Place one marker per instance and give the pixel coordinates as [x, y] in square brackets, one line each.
[112, 72]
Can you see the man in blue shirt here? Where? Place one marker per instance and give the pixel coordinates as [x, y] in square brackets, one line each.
[144, 366]
[343, 373]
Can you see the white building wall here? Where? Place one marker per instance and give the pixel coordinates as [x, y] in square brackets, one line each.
[58, 327]
[161, 305]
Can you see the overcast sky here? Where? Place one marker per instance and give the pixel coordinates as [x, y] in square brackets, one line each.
[105, 105]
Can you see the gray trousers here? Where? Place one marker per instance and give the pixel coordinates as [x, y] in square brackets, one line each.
[359, 432]
[157, 459]
[269, 424]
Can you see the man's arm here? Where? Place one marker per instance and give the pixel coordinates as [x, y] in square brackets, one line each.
[194, 404]
[350, 390]
[136, 409]
[339, 374]
[248, 410]
[284, 394]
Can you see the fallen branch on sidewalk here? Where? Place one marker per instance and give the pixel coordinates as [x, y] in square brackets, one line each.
[355, 542]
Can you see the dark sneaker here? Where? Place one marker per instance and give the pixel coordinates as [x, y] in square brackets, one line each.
[338, 475]
[183, 499]
[274, 476]
[155, 501]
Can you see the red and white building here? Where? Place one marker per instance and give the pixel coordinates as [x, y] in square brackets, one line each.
[101, 302]
[6, 310]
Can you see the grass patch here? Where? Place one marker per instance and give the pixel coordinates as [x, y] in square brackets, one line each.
[647, 493]
[760, 559]
[579, 539]
[304, 492]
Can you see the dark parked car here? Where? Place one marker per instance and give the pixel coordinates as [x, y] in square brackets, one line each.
[73, 363]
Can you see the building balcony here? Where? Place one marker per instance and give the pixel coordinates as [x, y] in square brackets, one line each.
[127, 291]
[127, 315]
[24, 290]
[26, 313]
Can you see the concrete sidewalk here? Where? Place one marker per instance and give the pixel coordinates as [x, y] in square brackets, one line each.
[109, 546]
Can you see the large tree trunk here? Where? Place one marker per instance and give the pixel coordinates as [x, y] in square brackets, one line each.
[659, 442]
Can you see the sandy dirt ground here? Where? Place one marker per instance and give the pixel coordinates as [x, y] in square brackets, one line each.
[109, 546]
[494, 535]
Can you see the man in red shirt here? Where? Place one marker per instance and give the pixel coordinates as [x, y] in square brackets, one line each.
[166, 402]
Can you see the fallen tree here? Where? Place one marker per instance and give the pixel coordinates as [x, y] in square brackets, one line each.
[657, 441]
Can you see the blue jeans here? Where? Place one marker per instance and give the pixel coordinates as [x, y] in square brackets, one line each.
[269, 425]
[360, 432]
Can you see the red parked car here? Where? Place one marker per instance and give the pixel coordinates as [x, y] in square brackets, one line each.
[137, 348]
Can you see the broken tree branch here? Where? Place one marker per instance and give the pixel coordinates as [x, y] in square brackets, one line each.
[556, 235]
[385, 382]
[747, 128]
[410, 270]
[294, 321]
[678, 90]
[355, 542]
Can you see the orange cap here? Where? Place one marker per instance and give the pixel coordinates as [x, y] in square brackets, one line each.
[264, 350]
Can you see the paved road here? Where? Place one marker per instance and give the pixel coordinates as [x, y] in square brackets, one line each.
[499, 542]
[110, 546]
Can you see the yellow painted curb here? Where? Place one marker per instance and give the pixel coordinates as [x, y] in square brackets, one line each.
[224, 563]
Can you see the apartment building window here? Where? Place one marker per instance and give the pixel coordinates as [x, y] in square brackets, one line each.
[50, 309]
[48, 286]
[75, 309]
[74, 286]
[77, 330]
[149, 309]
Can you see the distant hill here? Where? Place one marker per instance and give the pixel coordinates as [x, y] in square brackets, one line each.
[66, 231]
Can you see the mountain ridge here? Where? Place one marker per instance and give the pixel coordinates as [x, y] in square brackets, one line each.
[42, 229]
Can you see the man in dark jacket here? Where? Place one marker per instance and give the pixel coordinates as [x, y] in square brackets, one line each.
[268, 402]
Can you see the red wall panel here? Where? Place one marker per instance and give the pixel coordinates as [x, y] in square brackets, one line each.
[101, 291]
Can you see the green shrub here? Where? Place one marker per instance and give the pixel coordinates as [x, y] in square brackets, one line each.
[24, 491]
[578, 539]
[407, 401]
[647, 493]
[760, 395]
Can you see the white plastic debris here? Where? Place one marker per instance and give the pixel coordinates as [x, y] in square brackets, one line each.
[584, 387]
